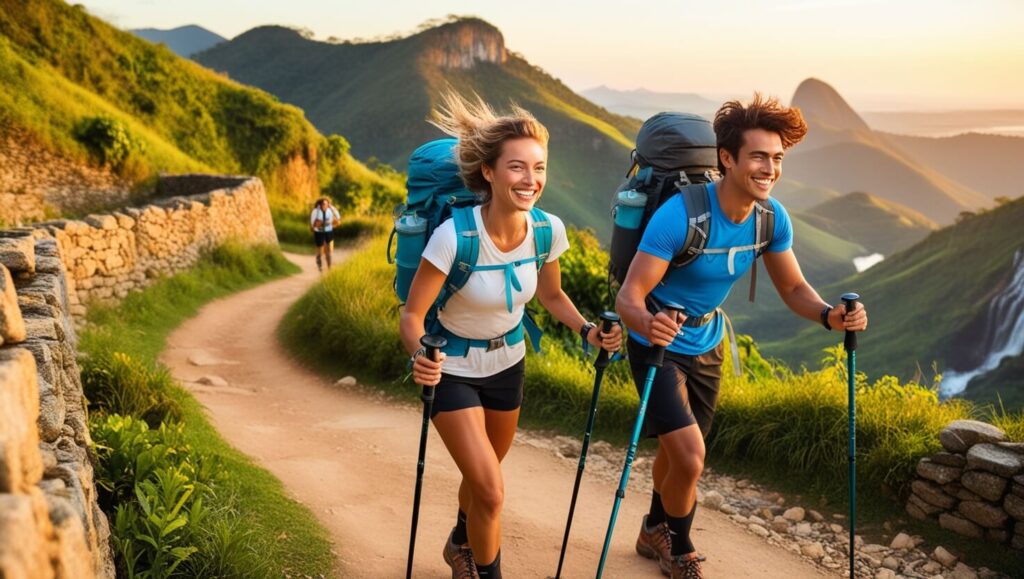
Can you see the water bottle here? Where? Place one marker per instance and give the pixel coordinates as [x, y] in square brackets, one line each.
[628, 214]
[412, 239]
[629, 208]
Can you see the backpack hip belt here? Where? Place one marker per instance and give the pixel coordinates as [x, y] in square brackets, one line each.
[459, 346]
[653, 306]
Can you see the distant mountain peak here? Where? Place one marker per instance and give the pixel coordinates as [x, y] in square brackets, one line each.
[465, 42]
[183, 40]
[822, 104]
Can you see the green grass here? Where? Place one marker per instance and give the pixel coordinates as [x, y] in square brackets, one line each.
[924, 303]
[284, 535]
[786, 428]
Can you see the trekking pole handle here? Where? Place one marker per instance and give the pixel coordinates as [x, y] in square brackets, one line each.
[850, 340]
[433, 344]
[657, 356]
[608, 319]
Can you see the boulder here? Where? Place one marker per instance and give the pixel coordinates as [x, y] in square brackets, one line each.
[985, 514]
[939, 473]
[987, 485]
[961, 435]
[932, 494]
[960, 525]
[994, 459]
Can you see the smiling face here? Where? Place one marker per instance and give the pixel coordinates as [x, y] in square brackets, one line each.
[518, 176]
[757, 166]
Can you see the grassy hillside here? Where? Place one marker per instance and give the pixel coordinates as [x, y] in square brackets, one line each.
[379, 95]
[878, 225]
[60, 68]
[981, 161]
[841, 152]
[858, 166]
[797, 196]
[922, 301]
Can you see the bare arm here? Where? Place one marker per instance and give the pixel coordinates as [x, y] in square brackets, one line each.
[426, 285]
[801, 298]
[644, 273]
[555, 300]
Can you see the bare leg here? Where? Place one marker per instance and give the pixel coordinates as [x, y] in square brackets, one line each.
[478, 440]
[684, 452]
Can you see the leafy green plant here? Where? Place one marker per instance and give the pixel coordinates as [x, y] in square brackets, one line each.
[116, 383]
[108, 139]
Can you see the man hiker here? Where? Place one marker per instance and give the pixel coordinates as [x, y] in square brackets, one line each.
[322, 221]
[751, 142]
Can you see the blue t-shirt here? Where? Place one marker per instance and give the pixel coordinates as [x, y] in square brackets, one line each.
[704, 284]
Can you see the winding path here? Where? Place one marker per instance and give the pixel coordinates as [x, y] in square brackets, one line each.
[350, 455]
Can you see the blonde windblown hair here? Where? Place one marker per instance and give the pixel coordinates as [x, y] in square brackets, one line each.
[481, 133]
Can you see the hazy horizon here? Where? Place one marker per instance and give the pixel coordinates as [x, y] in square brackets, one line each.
[903, 55]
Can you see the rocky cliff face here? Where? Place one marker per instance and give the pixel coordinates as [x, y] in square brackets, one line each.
[464, 43]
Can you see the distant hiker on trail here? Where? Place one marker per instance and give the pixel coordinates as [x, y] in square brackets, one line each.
[751, 142]
[322, 221]
[503, 159]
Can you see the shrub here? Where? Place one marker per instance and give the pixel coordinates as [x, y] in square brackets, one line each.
[107, 139]
[156, 485]
[115, 383]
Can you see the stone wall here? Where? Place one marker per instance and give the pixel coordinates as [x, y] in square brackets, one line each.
[36, 183]
[50, 523]
[108, 256]
[975, 487]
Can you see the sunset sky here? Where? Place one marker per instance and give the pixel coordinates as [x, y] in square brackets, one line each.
[880, 55]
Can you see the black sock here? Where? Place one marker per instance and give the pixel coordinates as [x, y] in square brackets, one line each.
[459, 536]
[656, 514]
[492, 570]
[679, 528]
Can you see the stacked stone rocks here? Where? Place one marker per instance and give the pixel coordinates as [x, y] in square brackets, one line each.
[35, 180]
[50, 522]
[976, 486]
[108, 256]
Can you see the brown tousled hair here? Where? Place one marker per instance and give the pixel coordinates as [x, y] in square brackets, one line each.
[735, 118]
[481, 133]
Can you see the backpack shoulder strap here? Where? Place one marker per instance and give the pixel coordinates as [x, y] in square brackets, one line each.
[697, 200]
[467, 250]
[541, 235]
[766, 230]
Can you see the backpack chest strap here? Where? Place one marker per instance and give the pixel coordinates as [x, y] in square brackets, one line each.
[511, 279]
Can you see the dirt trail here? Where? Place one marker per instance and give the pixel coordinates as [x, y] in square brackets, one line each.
[351, 457]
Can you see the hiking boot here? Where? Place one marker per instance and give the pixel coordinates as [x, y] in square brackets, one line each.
[656, 544]
[686, 567]
[460, 559]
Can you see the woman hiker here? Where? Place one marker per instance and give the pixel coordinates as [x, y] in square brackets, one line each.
[503, 159]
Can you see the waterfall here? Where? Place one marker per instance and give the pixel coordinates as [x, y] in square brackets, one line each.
[1005, 321]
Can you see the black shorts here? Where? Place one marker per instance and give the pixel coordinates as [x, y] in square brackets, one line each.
[684, 392]
[502, 391]
[321, 238]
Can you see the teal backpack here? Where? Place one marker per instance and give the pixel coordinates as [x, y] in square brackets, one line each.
[435, 192]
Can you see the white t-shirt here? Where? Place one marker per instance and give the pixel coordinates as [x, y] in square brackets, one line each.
[326, 218]
[479, 311]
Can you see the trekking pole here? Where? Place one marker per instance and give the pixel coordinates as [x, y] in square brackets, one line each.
[654, 361]
[607, 319]
[850, 343]
[433, 344]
